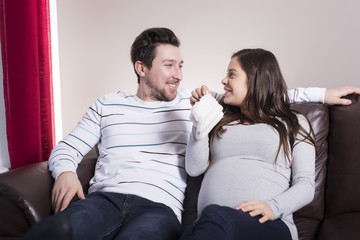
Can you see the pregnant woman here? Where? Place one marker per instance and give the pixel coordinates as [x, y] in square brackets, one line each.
[258, 160]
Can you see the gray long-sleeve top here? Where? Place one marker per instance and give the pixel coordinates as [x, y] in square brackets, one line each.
[242, 168]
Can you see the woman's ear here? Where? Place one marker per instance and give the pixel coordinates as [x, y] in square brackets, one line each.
[140, 68]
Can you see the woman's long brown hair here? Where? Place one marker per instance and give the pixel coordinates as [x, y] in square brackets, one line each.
[267, 101]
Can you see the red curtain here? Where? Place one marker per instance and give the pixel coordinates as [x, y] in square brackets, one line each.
[26, 56]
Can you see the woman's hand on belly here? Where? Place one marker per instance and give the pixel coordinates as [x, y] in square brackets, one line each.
[255, 208]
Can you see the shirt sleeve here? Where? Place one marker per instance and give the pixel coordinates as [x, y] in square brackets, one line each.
[302, 189]
[197, 155]
[69, 152]
[217, 96]
[312, 94]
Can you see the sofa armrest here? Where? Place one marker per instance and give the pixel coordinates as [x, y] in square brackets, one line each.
[25, 194]
[24, 198]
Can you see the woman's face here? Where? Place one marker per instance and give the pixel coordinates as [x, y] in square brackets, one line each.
[235, 84]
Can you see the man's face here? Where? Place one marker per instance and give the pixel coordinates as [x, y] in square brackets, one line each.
[160, 83]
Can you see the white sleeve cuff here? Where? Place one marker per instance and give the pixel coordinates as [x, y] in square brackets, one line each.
[311, 94]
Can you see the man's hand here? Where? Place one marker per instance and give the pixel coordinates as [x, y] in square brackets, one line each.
[333, 96]
[255, 208]
[66, 186]
[198, 93]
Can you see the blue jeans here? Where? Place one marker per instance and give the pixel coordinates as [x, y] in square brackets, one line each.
[218, 222]
[104, 215]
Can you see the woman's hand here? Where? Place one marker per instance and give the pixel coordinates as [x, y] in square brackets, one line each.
[255, 208]
[198, 93]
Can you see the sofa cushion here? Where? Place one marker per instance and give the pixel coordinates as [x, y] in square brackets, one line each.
[343, 226]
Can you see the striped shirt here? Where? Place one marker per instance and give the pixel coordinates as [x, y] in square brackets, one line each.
[141, 145]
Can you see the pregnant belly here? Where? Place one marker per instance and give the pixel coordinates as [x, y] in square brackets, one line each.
[232, 181]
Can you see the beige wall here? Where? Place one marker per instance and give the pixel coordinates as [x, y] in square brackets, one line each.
[315, 41]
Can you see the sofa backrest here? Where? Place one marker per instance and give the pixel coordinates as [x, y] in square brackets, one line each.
[342, 193]
[309, 218]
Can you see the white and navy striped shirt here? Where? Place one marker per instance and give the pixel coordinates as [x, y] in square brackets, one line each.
[141, 145]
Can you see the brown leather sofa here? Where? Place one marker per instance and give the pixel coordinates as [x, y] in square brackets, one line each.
[334, 214]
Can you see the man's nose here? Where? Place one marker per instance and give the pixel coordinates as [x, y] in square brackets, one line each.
[178, 73]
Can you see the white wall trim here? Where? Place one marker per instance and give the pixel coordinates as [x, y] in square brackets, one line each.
[4, 151]
[55, 71]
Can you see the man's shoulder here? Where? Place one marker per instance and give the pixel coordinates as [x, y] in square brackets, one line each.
[115, 96]
[184, 92]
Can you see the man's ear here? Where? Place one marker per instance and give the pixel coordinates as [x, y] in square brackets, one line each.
[140, 68]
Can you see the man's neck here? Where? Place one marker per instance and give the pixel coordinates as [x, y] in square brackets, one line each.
[140, 93]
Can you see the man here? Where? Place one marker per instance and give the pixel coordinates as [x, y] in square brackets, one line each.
[139, 183]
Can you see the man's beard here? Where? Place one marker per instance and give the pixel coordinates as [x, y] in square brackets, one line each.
[160, 95]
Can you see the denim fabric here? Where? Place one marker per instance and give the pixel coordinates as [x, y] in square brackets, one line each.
[104, 215]
[218, 222]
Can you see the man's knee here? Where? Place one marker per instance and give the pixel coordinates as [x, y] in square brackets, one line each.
[152, 226]
[55, 227]
[153, 233]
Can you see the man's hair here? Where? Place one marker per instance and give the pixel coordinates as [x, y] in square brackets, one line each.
[144, 47]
